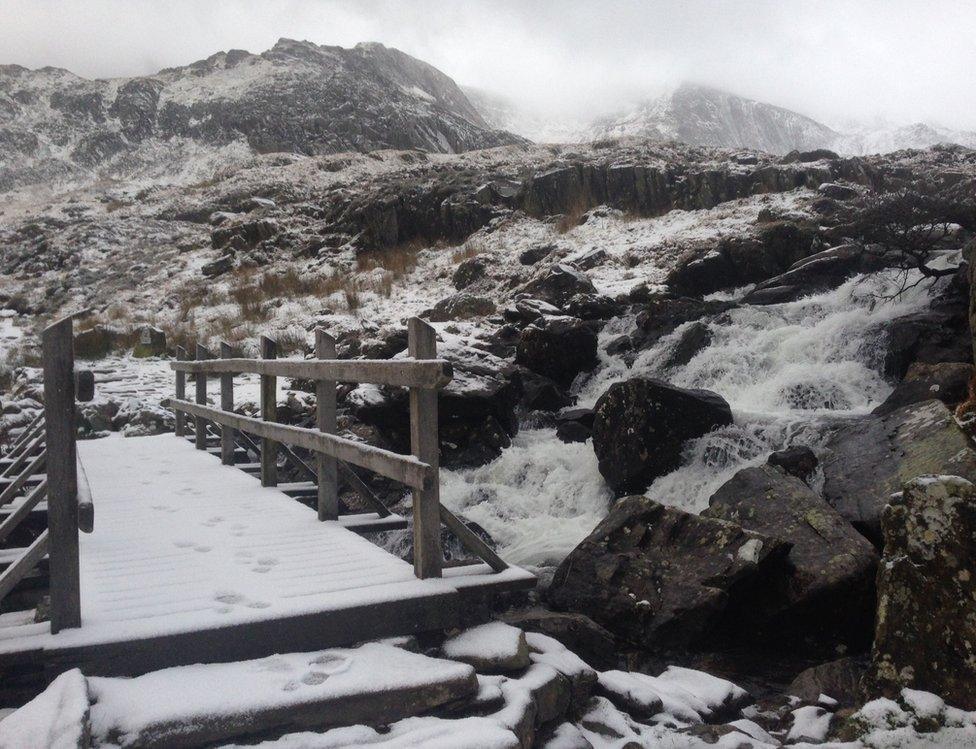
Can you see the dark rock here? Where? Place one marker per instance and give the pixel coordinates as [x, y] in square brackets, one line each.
[539, 393]
[592, 307]
[460, 306]
[799, 461]
[947, 382]
[577, 632]
[658, 577]
[582, 416]
[151, 342]
[468, 272]
[534, 255]
[694, 338]
[619, 345]
[839, 679]
[244, 235]
[218, 267]
[559, 348]
[558, 284]
[805, 157]
[528, 310]
[837, 191]
[662, 315]
[828, 592]
[572, 431]
[930, 337]
[926, 622]
[591, 259]
[641, 425]
[869, 459]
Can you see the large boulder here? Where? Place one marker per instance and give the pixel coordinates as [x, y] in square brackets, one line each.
[661, 315]
[559, 348]
[828, 592]
[934, 336]
[641, 425]
[658, 577]
[947, 382]
[926, 626]
[460, 306]
[869, 459]
[558, 284]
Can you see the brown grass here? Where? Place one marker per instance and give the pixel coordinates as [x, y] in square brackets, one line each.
[572, 217]
[399, 259]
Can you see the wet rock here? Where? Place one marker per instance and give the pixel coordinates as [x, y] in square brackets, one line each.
[828, 591]
[460, 306]
[932, 337]
[694, 338]
[218, 267]
[663, 314]
[869, 459]
[641, 425]
[468, 272]
[926, 623]
[539, 393]
[658, 577]
[558, 284]
[948, 382]
[151, 341]
[799, 461]
[839, 679]
[573, 431]
[817, 273]
[592, 307]
[577, 632]
[560, 348]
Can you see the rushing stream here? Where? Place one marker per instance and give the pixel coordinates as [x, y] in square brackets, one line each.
[785, 369]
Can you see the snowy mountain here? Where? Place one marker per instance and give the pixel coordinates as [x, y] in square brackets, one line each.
[182, 122]
[704, 116]
[884, 138]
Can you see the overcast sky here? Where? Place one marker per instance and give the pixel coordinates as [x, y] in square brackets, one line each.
[904, 61]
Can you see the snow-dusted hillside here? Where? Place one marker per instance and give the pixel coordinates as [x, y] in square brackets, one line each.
[181, 123]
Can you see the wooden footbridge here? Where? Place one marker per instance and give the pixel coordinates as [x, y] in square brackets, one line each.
[191, 550]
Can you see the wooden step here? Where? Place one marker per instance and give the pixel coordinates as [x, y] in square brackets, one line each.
[240, 454]
[370, 522]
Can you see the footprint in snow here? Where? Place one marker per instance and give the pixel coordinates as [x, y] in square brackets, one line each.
[229, 598]
[183, 544]
[202, 549]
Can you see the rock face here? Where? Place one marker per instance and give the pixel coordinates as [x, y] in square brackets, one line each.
[296, 97]
[559, 348]
[948, 382]
[926, 626]
[870, 459]
[658, 577]
[558, 284]
[828, 592]
[641, 425]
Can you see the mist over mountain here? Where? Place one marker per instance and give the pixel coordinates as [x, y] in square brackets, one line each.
[182, 122]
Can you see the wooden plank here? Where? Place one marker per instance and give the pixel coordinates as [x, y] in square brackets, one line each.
[86, 504]
[62, 466]
[269, 413]
[22, 510]
[227, 404]
[201, 395]
[472, 541]
[326, 466]
[424, 444]
[16, 571]
[407, 469]
[180, 393]
[433, 373]
[28, 432]
[10, 490]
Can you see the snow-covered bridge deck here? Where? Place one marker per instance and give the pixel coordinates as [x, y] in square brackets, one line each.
[191, 560]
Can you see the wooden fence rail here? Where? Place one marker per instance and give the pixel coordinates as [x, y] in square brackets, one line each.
[423, 373]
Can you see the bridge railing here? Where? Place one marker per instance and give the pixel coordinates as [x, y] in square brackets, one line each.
[47, 445]
[422, 373]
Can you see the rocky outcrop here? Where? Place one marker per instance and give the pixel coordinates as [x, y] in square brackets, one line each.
[868, 460]
[560, 348]
[641, 425]
[948, 382]
[926, 627]
[558, 284]
[658, 577]
[828, 591]
[737, 261]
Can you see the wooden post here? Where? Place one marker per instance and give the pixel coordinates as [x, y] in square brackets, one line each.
[428, 558]
[62, 477]
[269, 412]
[227, 404]
[201, 423]
[180, 393]
[326, 467]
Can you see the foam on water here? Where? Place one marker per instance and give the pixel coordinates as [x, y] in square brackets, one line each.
[785, 369]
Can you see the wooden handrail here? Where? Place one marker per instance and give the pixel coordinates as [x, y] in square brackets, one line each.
[472, 541]
[405, 469]
[22, 510]
[427, 373]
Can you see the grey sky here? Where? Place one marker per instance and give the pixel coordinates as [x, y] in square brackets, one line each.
[902, 60]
